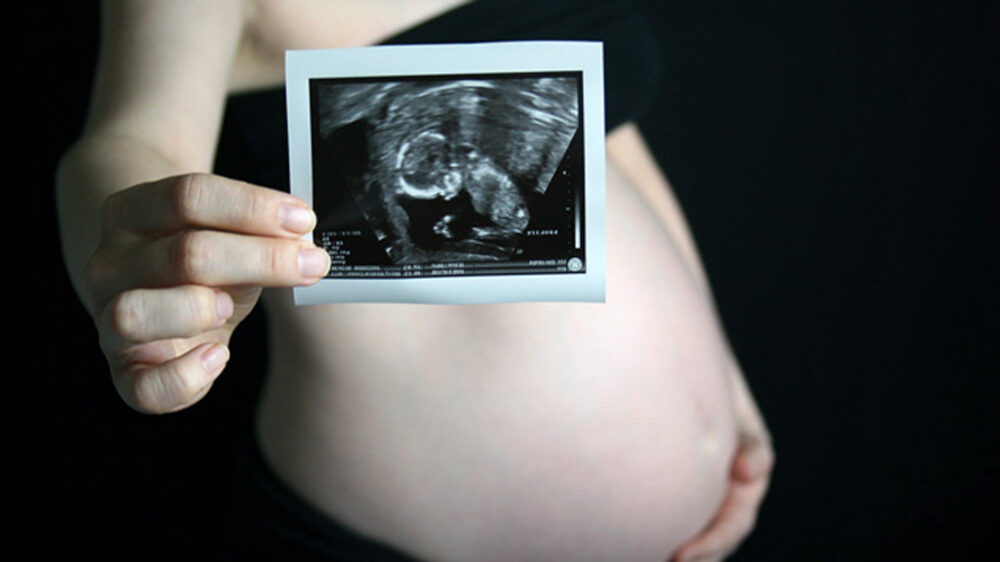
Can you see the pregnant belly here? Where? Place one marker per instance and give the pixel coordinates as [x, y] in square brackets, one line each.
[545, 431]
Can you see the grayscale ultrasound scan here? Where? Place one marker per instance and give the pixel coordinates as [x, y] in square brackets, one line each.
[449, 175]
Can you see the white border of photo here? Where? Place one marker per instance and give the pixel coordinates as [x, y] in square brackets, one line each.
[468, 58]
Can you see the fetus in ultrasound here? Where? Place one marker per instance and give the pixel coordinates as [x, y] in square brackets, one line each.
[451, 192]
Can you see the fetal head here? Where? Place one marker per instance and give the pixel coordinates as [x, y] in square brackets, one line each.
[427, 167]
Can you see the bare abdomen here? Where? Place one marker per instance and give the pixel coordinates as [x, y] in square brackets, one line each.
[545, 431]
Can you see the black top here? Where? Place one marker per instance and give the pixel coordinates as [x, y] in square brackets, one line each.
[253, 145]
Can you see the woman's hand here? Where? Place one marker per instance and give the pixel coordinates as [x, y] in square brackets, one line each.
[749, 477]
[180, 262]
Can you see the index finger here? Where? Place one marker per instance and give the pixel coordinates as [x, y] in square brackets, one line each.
[208, 201]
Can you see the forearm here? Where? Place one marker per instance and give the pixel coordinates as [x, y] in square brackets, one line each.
[159, 93]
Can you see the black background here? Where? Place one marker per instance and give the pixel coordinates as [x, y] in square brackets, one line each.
[835, 163]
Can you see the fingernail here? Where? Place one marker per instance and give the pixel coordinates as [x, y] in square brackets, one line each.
[313, 262]
[223, 305]
[214, 358]
[296, 219]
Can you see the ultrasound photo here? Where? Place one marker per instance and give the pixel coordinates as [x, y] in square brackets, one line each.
[449, 175]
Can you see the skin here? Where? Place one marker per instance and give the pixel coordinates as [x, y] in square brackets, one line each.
[753, 462]
[169, 259]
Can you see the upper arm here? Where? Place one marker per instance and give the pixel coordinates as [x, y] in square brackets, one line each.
[163, 74]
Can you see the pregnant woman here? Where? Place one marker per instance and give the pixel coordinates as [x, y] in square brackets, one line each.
[545, 431]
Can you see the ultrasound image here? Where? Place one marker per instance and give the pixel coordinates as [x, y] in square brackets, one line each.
[444, 171]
